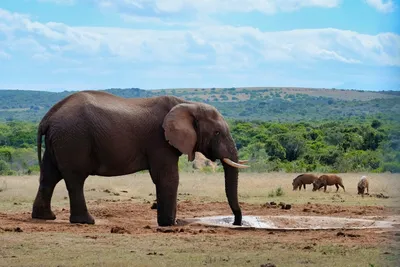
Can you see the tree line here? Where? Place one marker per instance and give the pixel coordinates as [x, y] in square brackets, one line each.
[371, 145]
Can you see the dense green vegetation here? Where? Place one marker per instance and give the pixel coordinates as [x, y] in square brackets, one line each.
[350, 146]
[373, 145]
[278, 129]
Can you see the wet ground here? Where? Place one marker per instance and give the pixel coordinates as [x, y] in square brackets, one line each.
[128, 217]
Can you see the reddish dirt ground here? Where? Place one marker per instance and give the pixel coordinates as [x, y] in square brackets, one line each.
[138, 218]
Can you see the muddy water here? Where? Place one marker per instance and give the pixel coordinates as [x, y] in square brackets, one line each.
[294, 222]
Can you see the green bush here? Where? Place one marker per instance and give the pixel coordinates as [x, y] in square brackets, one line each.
[276, 193]
[393, 167]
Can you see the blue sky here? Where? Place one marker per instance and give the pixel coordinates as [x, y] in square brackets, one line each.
[95, 44]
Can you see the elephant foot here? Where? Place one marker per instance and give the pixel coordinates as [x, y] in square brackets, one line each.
[83, 219]
[237, 223]
[43, 214]
[166, 222]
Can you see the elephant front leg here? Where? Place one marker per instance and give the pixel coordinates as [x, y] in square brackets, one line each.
[166, 180]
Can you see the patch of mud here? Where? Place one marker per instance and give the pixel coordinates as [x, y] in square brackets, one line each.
[137, 218]
[285, 222]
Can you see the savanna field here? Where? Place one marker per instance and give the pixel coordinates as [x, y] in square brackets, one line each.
[283, 132]
[126, 231]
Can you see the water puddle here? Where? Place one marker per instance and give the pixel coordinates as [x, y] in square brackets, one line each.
[293, 222]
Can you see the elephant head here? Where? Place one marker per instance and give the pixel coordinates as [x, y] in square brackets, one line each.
[191, 127]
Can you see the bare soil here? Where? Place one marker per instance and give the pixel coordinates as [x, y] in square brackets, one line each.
[126, 231]
[128, 217]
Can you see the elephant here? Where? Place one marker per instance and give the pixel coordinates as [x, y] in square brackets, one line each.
[328, 180]
[97, 133]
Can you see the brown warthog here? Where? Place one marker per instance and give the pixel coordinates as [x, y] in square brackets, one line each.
[362, 185]
[302, 180]
[328, 179]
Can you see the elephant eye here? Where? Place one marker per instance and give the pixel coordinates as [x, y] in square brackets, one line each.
[217, 133]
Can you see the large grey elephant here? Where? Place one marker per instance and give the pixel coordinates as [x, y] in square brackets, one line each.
[97, 133]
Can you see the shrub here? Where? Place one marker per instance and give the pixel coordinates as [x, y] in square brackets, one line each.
[393, 167]
[276, 193]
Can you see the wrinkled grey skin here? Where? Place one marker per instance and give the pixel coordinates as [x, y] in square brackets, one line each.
[96, 133]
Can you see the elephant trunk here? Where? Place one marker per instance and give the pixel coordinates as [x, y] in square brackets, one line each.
[231, 187]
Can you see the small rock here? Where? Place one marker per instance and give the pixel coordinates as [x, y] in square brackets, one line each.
[116, 194]
[272, 203]
[154, 206]
[307, 247]
[16, 229]
[282, 204]
[287, 207]
[268, 265]
[306, 210]
[124, 191]
[106, 191]
[340, 234]
[119, 230]
[147, 227]
[353, 235]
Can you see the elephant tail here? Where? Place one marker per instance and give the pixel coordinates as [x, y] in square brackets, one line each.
[39, 144]
[42, 129]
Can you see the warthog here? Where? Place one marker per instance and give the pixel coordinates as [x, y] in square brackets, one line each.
[362, 185]
[328, 179]
[302, 180]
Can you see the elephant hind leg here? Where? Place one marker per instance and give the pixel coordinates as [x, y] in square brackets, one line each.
[49, 177]
[78, 209]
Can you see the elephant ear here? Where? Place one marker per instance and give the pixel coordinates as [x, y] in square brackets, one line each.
[179, 130]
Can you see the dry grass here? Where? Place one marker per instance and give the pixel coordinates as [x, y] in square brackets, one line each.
[20, 191]
[125, 250]
[246, 249]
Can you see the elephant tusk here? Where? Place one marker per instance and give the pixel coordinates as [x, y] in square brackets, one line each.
[234, 164]
[241, 161]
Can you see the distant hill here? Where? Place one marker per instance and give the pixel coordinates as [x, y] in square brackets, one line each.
[260, 103]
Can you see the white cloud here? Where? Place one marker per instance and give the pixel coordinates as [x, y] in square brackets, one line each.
[174, 6]
[382, 5]
[225, 48]
[4, 55]
[60, 2]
